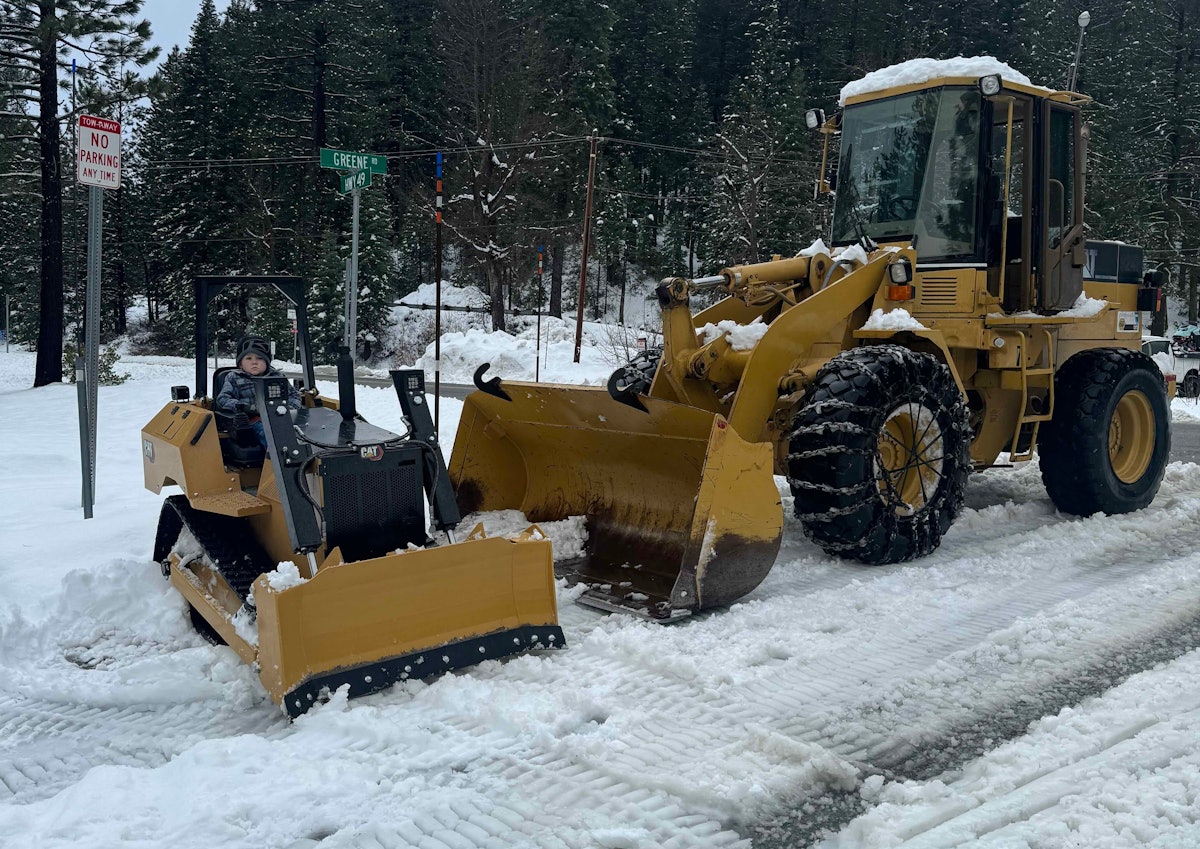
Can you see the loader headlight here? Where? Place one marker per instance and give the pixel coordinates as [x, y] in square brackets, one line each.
[989, 85]
[900, 272]
[814, 118]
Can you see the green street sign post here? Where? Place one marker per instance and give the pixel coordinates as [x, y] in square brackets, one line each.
[346, 160]
[355, 180]
[360, 167]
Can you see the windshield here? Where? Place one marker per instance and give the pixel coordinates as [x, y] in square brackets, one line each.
[909, 167]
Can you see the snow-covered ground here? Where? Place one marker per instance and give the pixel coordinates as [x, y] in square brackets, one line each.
[1033, 683]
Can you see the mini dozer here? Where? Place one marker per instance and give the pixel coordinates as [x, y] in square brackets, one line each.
[959, 321]
[313, 559]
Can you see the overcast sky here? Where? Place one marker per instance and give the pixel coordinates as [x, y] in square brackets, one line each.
[171, 21]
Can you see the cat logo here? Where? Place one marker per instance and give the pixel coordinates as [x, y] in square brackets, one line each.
[371, 452]
[148, 449]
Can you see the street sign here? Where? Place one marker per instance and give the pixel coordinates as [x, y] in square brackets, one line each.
[345, 160]
[98, 153]
[355, 180]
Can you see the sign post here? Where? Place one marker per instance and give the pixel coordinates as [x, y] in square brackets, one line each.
[358, 167]
[98, 166]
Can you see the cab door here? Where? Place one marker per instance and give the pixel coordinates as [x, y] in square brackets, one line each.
[1062, 243]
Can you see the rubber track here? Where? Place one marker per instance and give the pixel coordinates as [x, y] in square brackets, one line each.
[226, 540]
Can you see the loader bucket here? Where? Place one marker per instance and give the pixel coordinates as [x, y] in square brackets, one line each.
[681, 513]
[407, 615]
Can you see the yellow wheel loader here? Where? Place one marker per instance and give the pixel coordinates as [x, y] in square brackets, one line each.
[312, 558]
[959, 321]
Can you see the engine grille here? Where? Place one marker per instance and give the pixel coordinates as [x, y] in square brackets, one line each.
[939, 292]
[374, 506]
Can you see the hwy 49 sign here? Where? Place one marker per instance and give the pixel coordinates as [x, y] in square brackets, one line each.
[98, 153]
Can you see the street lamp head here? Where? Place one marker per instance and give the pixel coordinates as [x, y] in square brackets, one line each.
[1084, 19]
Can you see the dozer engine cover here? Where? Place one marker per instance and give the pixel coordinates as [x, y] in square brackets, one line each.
[374, 501]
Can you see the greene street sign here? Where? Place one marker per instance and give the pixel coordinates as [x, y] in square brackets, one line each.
[345, 160]
[355, 180]
[99, 152]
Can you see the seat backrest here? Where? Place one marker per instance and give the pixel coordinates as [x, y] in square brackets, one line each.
[218, 379]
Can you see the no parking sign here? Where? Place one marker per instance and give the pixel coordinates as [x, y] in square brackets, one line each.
[99, 153]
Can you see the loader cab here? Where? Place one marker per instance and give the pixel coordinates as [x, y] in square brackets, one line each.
[978, 173]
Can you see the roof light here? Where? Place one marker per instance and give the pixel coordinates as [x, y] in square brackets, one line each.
[989, 86]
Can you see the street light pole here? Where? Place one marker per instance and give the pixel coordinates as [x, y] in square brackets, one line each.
[1084, 19]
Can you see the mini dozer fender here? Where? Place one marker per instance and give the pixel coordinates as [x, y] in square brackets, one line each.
[314, 562]
[959, 321]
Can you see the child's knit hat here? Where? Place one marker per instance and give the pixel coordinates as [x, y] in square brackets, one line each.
[253, 345]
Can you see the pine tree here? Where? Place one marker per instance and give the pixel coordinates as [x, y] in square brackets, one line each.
[764, 165]
[37, 36]
[491, 63]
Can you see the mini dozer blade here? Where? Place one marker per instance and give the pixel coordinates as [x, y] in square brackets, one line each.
[681, 513]
[315, 564]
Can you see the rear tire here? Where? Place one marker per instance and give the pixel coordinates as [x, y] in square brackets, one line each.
[1107, 446]
[879, 455]
[1190, 387]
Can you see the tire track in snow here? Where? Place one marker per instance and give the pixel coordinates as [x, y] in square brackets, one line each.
[679, 733]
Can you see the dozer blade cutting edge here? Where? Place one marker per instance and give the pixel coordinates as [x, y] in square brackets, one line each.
[682, 514]
[408, 615]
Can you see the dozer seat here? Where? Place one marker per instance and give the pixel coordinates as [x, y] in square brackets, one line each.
[239, 445]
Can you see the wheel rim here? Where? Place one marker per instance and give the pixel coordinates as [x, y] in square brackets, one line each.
[908, 462]
[1131, 437]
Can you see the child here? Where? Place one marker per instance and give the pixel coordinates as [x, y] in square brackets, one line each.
[236, 397]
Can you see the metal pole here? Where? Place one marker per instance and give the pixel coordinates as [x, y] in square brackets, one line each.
[1084, 19]
[587, 238]
[91, 338]
[7, 321]
[346, 304]
[84, 445]
[537, 358]
[437, 313]
[353, 319]
[75, 202]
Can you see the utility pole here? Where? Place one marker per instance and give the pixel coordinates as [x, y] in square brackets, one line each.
[437, 313]
[587, 239]
[537, 350]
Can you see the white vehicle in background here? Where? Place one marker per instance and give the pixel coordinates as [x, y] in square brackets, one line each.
[1158, 348]
[1187, 361]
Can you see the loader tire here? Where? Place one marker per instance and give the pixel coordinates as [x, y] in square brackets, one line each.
[879, 453]
[1107, 446]
[635, 377]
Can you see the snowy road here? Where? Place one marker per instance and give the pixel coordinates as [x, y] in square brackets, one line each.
[1032, 683]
